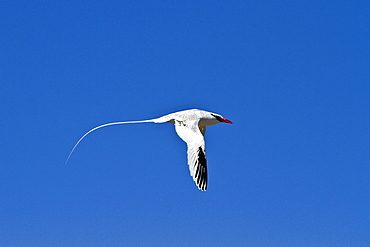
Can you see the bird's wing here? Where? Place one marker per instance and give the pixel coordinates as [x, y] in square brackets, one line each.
[191, 134]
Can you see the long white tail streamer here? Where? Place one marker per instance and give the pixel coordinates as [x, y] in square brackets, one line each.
[104, 125]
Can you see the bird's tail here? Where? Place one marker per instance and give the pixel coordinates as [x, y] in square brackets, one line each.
[109, 124]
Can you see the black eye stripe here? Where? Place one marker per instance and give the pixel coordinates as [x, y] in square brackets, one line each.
[217, 117]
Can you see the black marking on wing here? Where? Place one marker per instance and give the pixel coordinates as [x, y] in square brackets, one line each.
[201, 172]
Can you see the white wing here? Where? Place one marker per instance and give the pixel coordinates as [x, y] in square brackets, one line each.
[189, 131]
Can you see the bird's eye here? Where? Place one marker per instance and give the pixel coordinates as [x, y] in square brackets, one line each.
[217, 117]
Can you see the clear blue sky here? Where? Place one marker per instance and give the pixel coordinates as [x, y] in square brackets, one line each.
[293, 169]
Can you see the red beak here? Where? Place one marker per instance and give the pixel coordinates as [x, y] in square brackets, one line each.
[224, 120]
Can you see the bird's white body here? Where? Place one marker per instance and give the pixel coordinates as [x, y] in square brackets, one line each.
[190, 125]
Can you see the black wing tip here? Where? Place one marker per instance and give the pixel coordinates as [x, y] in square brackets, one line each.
[201, 177]
[202, 188]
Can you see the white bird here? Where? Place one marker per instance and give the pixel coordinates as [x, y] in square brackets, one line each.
[190, 125]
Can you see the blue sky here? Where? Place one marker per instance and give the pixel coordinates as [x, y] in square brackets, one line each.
[293, 169]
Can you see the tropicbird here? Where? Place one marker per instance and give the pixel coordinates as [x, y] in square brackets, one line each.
[190, 125]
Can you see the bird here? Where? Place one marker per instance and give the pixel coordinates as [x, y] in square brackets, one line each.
[190, 126]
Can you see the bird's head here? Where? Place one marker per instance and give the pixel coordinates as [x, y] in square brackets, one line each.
[221, 119]
[209, 118]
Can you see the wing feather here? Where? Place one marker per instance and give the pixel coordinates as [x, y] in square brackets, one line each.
[191, 134]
